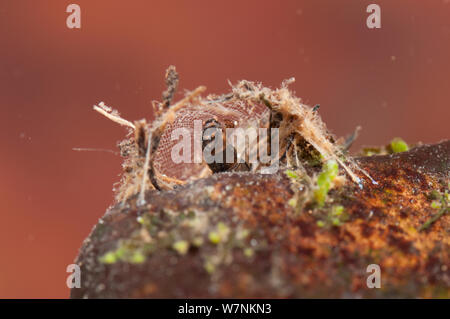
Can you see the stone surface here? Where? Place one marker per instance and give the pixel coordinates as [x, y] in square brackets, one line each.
[235, 235]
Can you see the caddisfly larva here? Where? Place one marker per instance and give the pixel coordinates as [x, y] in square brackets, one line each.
[298, 125]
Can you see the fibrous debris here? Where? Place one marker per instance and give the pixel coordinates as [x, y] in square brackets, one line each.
[303, 137]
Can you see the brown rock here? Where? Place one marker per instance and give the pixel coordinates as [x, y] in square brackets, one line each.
[235, 235]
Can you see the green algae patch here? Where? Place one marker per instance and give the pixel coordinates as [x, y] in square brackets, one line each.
[248, 252]
[334, 217]
[219, 234]
[109, 258]
[126, 252]
[181, 247]
[324, 181]
[398, 145]
[291, 174]
[440, 203]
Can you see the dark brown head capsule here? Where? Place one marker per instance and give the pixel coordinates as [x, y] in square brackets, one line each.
[215, 147]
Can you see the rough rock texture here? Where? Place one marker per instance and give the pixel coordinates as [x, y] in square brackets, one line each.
[235, 235]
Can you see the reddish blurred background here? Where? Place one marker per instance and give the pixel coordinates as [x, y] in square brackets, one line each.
[393, 81]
